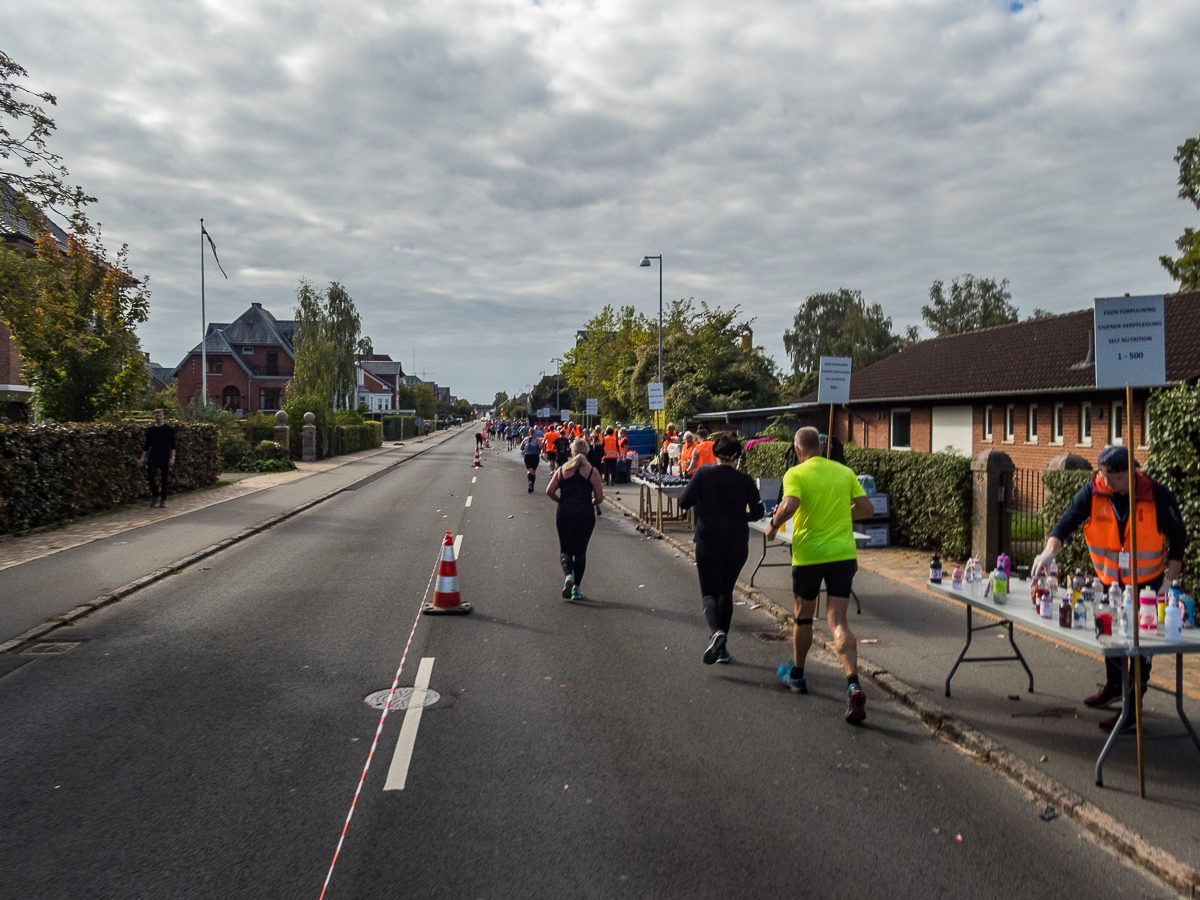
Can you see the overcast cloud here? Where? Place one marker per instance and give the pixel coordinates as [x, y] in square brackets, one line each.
[484, 176]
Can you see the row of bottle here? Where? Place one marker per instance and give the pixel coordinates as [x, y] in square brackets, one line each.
[1083, 600]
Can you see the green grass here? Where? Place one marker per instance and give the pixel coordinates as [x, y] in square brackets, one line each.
[1027, 527]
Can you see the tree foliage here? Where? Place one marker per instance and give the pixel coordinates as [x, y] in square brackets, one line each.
[328, 345]
[839, 323]
[1174, 459]
[1186, 269]
[73, 314]
[36, 174]
[973, 303]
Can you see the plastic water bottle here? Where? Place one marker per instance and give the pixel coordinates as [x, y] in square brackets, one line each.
[999, 587]
[1173, 623]
[1127, 611]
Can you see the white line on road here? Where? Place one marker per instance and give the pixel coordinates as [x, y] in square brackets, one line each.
[457, 544]
[398, 771]
[468, 500]
[472, 479]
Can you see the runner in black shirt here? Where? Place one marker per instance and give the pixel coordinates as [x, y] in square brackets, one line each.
[160, 450]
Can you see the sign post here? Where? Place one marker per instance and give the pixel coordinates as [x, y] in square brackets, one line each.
[833, 388]
[593, 408]
[566, 415]
[1131, 349]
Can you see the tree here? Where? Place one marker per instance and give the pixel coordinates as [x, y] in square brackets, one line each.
[424, 402]
[973, 303]
[501, 399]
[344, 327]
[1186, 269]
[39, 176]
[840, 324]
[73, 314]
[328, 345]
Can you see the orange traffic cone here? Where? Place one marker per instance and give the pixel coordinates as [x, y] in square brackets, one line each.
[478, 462]
[446, 601]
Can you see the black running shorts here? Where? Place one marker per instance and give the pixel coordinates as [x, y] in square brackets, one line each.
[838, 577]
[531, 461]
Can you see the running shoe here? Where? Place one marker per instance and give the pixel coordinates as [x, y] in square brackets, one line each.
[576, 594]
[567, 586]
[723, 658]
[799, 685]
[856, 703]
[716, 645]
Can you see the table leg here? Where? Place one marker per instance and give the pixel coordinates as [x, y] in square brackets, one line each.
[958, 662]
[760, 560]
[1179, 700]
[857, 602]
[971, 629]
[1112, 737]
[1017, 651]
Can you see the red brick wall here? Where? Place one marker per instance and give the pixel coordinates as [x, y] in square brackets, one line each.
[10, 358]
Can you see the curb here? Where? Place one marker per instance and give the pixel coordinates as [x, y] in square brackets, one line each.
[949, 728]
[83, 609]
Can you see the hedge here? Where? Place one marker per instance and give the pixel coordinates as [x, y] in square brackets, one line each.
[1174, 459]
[49, 473]
[1060, 488]
[930, 494]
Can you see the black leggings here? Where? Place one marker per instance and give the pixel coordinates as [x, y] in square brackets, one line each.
[719, 568]
[161, 468]
[610, 469]
[574, 531]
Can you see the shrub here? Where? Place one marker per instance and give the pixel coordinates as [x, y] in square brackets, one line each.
[50, 473]
[270, 450]
[231, 437]
[1174, 459]
[766, 459]
[254, 464]
[261, 428]
[347, 417]
[1060, 488]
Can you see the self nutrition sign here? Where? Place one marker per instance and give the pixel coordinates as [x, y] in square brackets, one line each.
[1131, 348]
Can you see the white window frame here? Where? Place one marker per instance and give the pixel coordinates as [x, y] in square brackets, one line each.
[1146, 432]
[1085, 424]
[1058, 424]
[1031, 435]
[1116, 422]
[247, 351]
[987, 422]
[1010, 423]
[892, 428]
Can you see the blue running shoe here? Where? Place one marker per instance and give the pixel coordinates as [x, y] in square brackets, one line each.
[567, 587]
[576, 594]
[799, 685]
[856, 703]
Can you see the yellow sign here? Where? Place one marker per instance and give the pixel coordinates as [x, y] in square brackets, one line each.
[660, 419]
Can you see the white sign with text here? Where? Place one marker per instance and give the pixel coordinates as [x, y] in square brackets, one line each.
[1131, 346]
[593, 406]
[566, 415]
[834, 385]
[656, 396]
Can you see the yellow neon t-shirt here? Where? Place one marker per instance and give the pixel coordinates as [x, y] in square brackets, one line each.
[822, 528]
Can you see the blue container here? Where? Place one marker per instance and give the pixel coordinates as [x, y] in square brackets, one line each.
[643, 441]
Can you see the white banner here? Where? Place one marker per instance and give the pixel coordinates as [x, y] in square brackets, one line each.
[656, 396]
[834, 385]
[1131, 346]
[593, 406]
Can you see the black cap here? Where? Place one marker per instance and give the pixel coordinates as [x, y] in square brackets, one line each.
[1116, 458]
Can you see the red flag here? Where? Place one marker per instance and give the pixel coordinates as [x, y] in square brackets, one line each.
[214, 250]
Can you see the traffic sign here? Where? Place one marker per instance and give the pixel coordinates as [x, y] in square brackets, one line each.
[1131, 346]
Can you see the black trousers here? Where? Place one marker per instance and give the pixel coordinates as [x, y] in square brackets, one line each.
[610, 469]
[575, 527]
[1112, 670]
[162, 469]
[718, 567]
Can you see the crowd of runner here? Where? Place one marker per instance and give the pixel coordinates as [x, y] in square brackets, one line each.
[821, 498]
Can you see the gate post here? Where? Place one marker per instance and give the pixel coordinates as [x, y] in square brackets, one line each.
[282, 433]
[991, 526]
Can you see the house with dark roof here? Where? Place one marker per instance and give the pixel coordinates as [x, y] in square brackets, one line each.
[250, 362]
[1028, 389]
[378, 380]
[161, 377]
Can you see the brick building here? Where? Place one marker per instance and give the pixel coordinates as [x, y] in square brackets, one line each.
[378, 380]
[250, 362]
[1028, 389]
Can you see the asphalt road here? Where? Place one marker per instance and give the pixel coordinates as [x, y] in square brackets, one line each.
[206, 736]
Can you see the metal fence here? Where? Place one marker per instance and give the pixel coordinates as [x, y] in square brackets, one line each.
[1024, 508]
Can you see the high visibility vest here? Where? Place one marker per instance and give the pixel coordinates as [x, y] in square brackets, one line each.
[1105, 540]
[610, 446]
[623, 445]
[685, 455]
[704, 454]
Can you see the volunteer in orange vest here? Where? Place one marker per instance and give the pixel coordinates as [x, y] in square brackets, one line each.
[548, 440]
[610, 455]
[687, 453]
[704, 455]
[1102, 508]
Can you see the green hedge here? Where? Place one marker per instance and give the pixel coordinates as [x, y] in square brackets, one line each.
[49, 473]
[1174, 459]
[1060, 488]
[930, 494]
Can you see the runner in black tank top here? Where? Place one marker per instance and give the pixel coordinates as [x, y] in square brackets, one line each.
[577, 490]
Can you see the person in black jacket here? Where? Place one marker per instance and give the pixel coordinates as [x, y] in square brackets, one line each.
[726, 501]
[160, 450]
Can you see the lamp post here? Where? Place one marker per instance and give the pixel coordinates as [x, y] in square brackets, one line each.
[645, 262]
[557, 391]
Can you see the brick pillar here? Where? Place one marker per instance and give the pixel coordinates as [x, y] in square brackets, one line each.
[991, 526]
[283, 436]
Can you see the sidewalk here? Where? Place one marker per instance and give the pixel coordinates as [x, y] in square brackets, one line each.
[50, 574]
[915, 636]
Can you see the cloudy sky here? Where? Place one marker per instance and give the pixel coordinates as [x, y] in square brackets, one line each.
[484, 175]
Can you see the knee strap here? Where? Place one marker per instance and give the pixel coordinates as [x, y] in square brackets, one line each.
[804, 621]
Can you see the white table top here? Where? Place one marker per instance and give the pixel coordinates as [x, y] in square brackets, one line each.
[1019, 608]
[785, 532]
[671, 490]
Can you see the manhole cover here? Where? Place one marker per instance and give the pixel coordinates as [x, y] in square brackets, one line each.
[378, 699]
[50, 648]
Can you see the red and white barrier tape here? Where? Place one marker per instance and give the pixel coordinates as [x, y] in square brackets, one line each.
[383, 718]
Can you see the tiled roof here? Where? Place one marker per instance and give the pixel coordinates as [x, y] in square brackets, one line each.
[1037, 356]
[382, 367]
[14, 225]
[257, 326]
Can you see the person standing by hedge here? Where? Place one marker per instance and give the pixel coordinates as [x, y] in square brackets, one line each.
[159, 449]
[822, 498]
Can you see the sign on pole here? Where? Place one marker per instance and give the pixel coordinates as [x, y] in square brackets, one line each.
[656, 396]
[1131, 346]
[593, 406]
[834, 384]
[566, 415]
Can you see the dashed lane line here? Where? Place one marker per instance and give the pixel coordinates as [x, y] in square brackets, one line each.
[468, 501]
[397, 774]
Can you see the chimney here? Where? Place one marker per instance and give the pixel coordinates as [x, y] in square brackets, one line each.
[748, 339]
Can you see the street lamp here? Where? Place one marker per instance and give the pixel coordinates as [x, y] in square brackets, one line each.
[557, 392]
[645, 262]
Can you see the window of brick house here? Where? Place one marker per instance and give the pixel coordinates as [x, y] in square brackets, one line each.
[214, 366]
[1057, 436]
[1146, 432]
[1031, 435]
[247, 351]
[901, 431]
[987, 422]
[1085, 423]
[1010, 423]
[1117, 424]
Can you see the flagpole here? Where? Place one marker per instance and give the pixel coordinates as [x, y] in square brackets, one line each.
[203, 328]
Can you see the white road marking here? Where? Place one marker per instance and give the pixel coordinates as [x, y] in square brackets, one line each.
[472, 479]
[457, 544]
[468, 500]
[398, 771]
